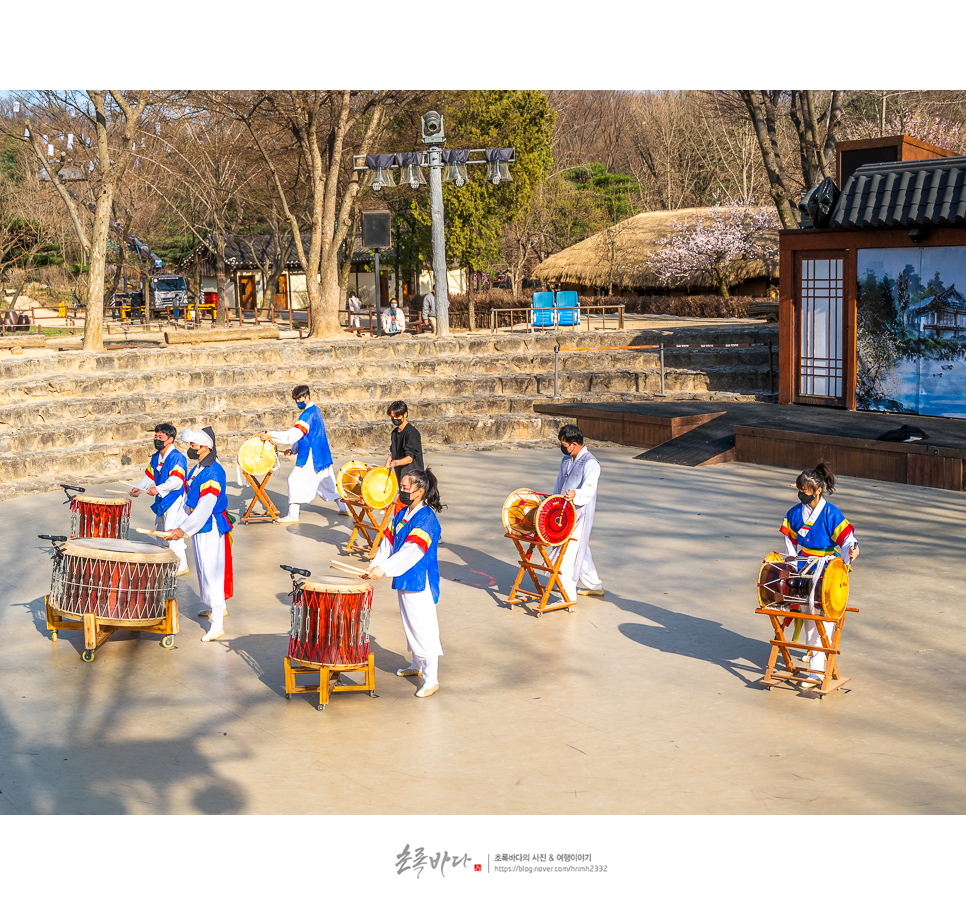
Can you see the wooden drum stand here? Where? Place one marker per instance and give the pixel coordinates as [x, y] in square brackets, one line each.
[534, 521]
[802, 590]
[366, 491]
[258, 457]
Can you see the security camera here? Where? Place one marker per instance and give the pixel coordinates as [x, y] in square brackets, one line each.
[433, 128]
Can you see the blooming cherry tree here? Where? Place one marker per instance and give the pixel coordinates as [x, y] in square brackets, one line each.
[716, 244]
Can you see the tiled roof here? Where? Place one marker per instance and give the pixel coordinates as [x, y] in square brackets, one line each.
[928, 192]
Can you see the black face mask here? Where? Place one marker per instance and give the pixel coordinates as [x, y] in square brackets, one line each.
[158, 445]
[193, 454]
[563, 450]
[805, 498]
[406, 497]
[397, 422]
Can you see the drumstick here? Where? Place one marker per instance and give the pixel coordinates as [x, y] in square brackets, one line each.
[144, 530]
[358, 573]
[342, 567]
[120, 492]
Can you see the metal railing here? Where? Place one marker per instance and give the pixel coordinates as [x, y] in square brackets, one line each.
[588, 310]
[557, 350]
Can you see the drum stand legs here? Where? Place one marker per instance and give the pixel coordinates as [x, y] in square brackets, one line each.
[97, 630]
[798, 674]
[365, 523]
[326, 673]
[543, 591]
[260, 496]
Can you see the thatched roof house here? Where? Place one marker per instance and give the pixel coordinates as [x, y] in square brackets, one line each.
[616, 260]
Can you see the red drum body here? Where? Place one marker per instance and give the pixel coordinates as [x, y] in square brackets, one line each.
[91, 516]
[330, 622]
[119, 581]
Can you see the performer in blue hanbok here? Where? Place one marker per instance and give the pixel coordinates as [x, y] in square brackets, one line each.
[208, 525]
[164, 479]
[408, 554]
[816, 528]
[312, 474]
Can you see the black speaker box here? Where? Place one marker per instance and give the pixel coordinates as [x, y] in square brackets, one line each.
[376, 230]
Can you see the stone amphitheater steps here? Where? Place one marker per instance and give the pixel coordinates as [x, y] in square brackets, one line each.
[75, 415]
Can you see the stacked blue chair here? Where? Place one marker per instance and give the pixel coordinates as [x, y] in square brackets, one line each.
[543, 310]
[568, 309]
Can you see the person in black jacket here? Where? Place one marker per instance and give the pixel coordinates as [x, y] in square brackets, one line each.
[405, 445]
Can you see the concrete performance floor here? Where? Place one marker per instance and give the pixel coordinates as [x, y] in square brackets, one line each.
[642, 702]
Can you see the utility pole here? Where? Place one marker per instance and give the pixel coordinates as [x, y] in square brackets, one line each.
[433, 136]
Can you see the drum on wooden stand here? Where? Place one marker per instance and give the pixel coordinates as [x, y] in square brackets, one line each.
[257, 458]
[362, 484]
[366, 490]
[535, 521]
[330, 622]
[806, 589]
[105, 584]
[329, 634]
[817, 584]
[550, 519]
[100, 516]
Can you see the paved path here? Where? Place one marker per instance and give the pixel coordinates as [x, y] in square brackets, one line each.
[644, 701]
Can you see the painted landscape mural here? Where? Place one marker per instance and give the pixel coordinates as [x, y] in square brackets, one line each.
[912, 331]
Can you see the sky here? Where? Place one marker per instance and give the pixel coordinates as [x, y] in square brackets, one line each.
[526, 44]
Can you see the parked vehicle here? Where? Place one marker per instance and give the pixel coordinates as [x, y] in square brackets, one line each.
[169, 294]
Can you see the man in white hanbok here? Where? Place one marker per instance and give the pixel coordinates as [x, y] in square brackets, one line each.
[307, 440]
[577, 482]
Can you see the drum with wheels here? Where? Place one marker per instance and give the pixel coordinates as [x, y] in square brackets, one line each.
[101, 585]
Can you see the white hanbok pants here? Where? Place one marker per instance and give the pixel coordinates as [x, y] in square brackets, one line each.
[571, 577]
[209, 550]
[305, 483]
[421, 625]
[816, 661]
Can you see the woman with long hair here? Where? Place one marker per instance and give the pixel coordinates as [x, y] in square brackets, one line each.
[814, 527]
[408, 554]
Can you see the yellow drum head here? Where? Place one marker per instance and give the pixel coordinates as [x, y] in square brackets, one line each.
[348, 480]
[835, 588]
[379, 487]
[255, 456]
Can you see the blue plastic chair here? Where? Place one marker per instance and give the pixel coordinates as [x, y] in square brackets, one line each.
[568, 309]
[543, 311]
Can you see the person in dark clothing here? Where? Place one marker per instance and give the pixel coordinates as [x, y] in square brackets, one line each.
[405, 445]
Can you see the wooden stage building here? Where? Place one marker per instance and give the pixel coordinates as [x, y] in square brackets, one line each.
[699, 433]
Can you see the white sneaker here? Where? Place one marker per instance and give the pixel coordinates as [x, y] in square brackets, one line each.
[409, 672]
[427, 691]
[288, 519]
[212, 636]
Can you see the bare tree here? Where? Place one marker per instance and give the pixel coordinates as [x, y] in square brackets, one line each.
[307, 139]
[112, 119]
[815, 122]
[204, 170]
